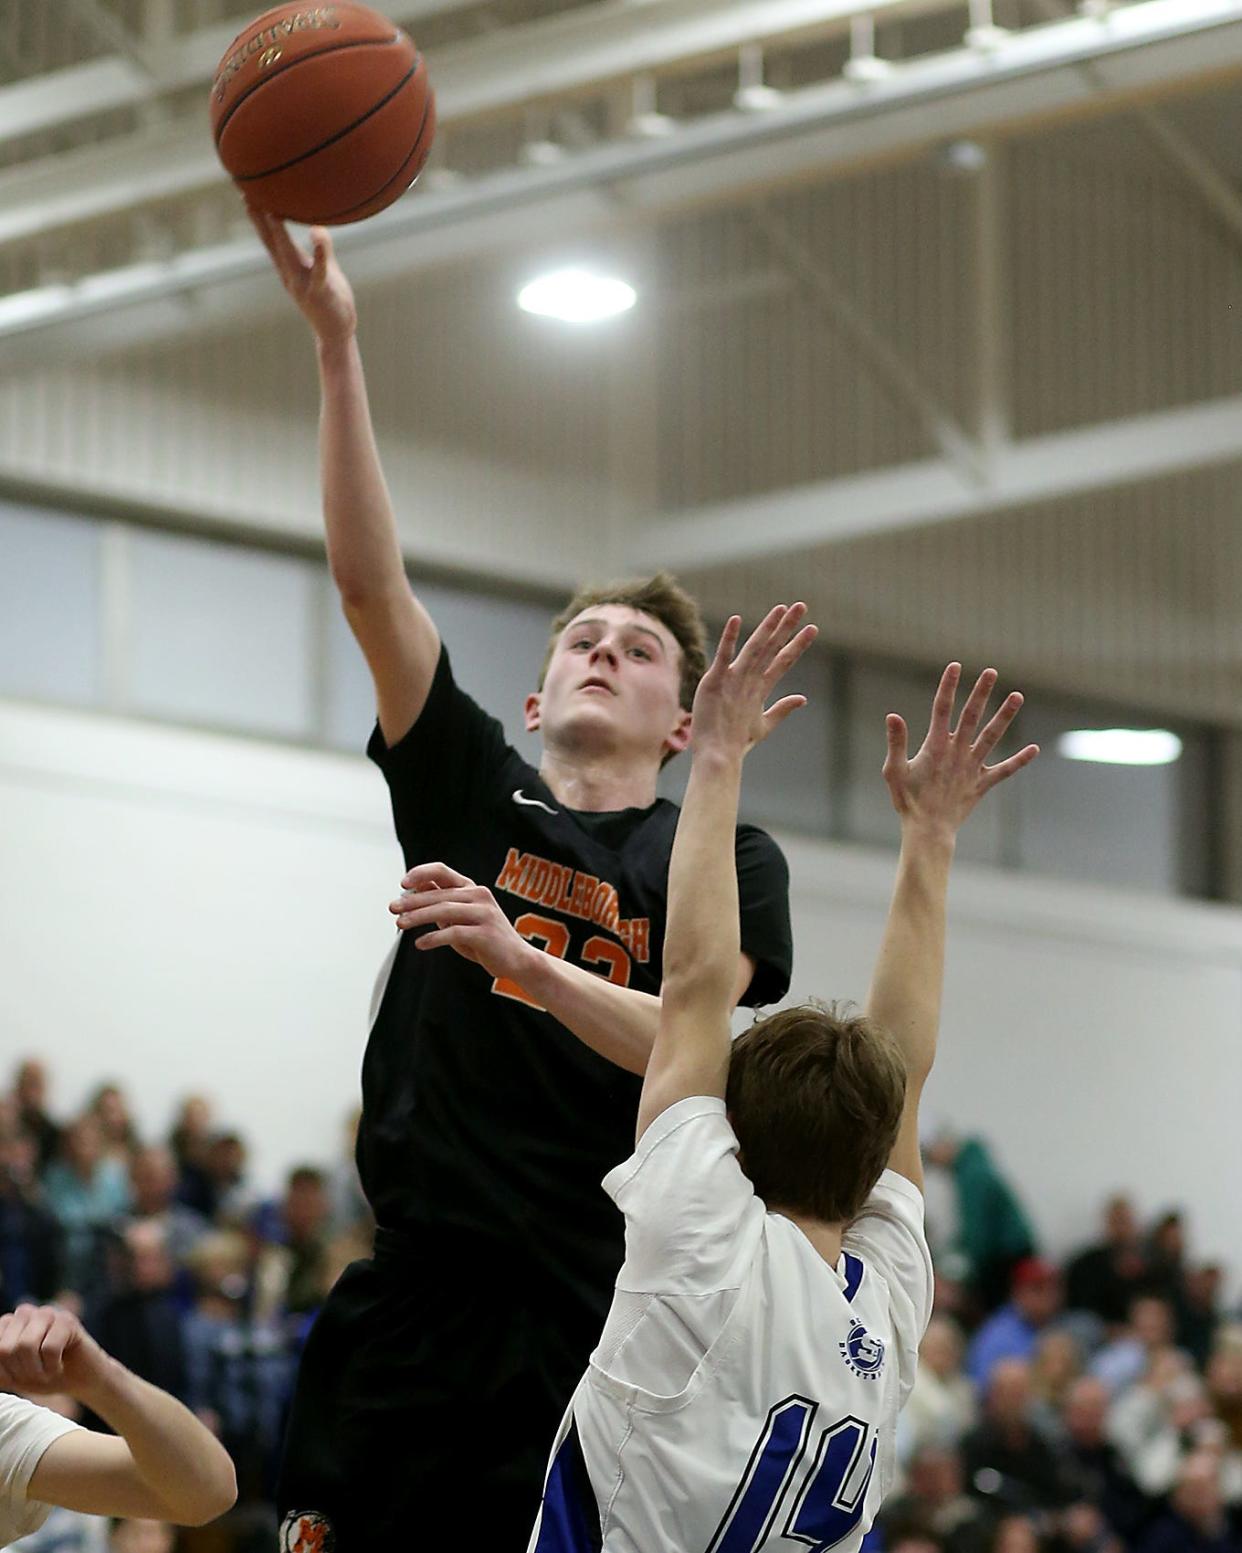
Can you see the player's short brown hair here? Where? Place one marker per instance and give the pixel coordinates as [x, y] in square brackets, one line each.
[815, 1096]
[664, 599]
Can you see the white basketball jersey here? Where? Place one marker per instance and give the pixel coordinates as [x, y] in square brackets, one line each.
[744, 1395]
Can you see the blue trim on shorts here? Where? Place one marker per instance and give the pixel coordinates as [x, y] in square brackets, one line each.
[569, 1521]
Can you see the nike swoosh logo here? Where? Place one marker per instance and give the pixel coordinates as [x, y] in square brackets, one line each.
[532, 803]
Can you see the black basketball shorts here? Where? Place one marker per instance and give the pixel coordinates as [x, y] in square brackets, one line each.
[426, 1404]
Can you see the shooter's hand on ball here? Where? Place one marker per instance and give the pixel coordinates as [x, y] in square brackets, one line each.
[314, 280]
[940, 787]
[729, 716]
[464, 916]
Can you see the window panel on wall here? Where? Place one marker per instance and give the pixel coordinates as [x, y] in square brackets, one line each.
[788, 778]
[221, 635]
[1135, 826]
[496, 646]
[874, 691]
[349, 696]
[50, 605]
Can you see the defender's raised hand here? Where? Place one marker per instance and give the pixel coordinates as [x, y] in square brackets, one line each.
[729, 715]
[950, 774]
[314, 280]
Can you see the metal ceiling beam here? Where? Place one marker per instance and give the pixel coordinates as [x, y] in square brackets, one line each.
[112, 33]
[169, 162]
[127, 78]
[615, 39]
[559, 54]
[1216, 190]
[1039, 469]
[1220, 195]
[562, 53]
[883, 360]
[1154, 45]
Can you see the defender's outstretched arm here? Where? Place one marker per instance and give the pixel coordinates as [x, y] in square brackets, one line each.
[934, 794]
[691, 1051]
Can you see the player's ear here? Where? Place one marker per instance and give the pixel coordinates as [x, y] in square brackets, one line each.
[531, 710]
[680, 736]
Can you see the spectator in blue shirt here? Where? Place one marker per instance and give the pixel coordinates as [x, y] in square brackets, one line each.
[86, 1192]
[1013, 1331]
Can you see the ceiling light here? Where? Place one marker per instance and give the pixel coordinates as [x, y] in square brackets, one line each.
[541, 153]
[577, 296]
[1121, 746]
[963, 156]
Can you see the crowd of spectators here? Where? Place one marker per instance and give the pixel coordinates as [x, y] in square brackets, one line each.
[1090, 1408]
[188, 1276]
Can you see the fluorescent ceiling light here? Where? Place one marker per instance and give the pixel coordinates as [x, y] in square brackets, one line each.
[1121, 746]
[577, 296]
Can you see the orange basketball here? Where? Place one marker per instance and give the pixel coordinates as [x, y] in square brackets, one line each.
[323, 113]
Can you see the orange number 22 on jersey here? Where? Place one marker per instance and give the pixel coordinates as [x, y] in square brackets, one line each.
[554, 936]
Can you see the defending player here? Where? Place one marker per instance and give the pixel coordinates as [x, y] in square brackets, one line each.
[766, 1323]
[437, 1371]
[161, 1464]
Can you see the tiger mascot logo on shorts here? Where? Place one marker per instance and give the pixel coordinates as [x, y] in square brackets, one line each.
[306, 1531]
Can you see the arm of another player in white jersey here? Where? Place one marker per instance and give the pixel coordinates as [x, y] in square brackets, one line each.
[161, 1465]
[701, 942]
[934, 794]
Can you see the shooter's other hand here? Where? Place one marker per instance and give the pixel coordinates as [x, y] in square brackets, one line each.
[461, 915]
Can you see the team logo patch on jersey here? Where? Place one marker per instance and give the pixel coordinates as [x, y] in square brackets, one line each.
[306, 1531]
[863, 1353]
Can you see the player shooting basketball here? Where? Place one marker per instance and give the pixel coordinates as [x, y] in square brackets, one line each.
[496, 1094]
[765, 1328]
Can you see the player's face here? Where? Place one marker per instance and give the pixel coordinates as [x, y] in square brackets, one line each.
[612, 686]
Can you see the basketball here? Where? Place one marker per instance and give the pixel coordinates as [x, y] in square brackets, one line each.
[322, 114]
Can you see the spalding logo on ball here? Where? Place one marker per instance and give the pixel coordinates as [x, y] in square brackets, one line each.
[323, 113]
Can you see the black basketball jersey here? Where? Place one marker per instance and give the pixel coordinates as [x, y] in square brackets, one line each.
[483, 1117]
